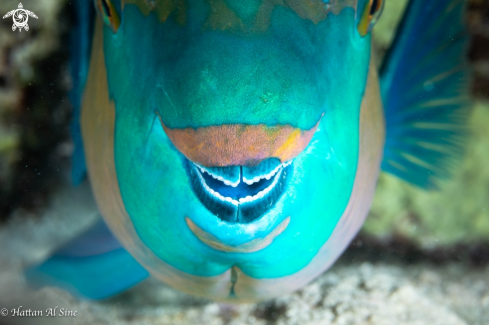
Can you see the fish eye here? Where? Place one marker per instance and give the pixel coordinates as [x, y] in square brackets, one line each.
[370, 15]
[108, 13]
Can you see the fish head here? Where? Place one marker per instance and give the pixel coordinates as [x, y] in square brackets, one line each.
[235, 140]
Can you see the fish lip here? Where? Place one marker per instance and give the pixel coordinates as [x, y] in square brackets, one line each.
[216, 145]
[252, 246]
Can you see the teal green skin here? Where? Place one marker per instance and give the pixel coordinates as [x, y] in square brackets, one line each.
[196, 77]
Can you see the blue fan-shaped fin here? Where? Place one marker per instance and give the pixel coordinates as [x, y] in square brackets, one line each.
[94, 266]
[81, 40]
[424, 82]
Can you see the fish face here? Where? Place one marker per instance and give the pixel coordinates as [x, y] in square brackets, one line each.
[235, 139]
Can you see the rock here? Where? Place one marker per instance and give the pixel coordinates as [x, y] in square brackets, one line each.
[34, 110]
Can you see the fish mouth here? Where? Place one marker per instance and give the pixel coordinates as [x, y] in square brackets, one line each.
[239, 194]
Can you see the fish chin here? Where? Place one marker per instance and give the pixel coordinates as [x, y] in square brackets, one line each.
[239, 194]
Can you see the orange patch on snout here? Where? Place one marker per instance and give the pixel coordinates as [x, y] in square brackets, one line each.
[239, 144]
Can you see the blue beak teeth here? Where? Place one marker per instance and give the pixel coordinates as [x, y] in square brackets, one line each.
[265, 170]
[230, 176]
[238, 193]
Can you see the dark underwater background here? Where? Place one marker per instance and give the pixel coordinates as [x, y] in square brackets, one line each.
[421, 257]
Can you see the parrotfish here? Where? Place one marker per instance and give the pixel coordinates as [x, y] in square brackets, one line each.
[233, 146]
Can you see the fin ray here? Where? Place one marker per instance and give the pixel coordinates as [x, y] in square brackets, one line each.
[424, 84]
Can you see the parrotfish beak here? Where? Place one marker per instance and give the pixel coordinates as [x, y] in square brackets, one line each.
[239, 171]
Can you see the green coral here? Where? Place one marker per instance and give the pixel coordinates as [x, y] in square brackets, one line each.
[457, 213]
